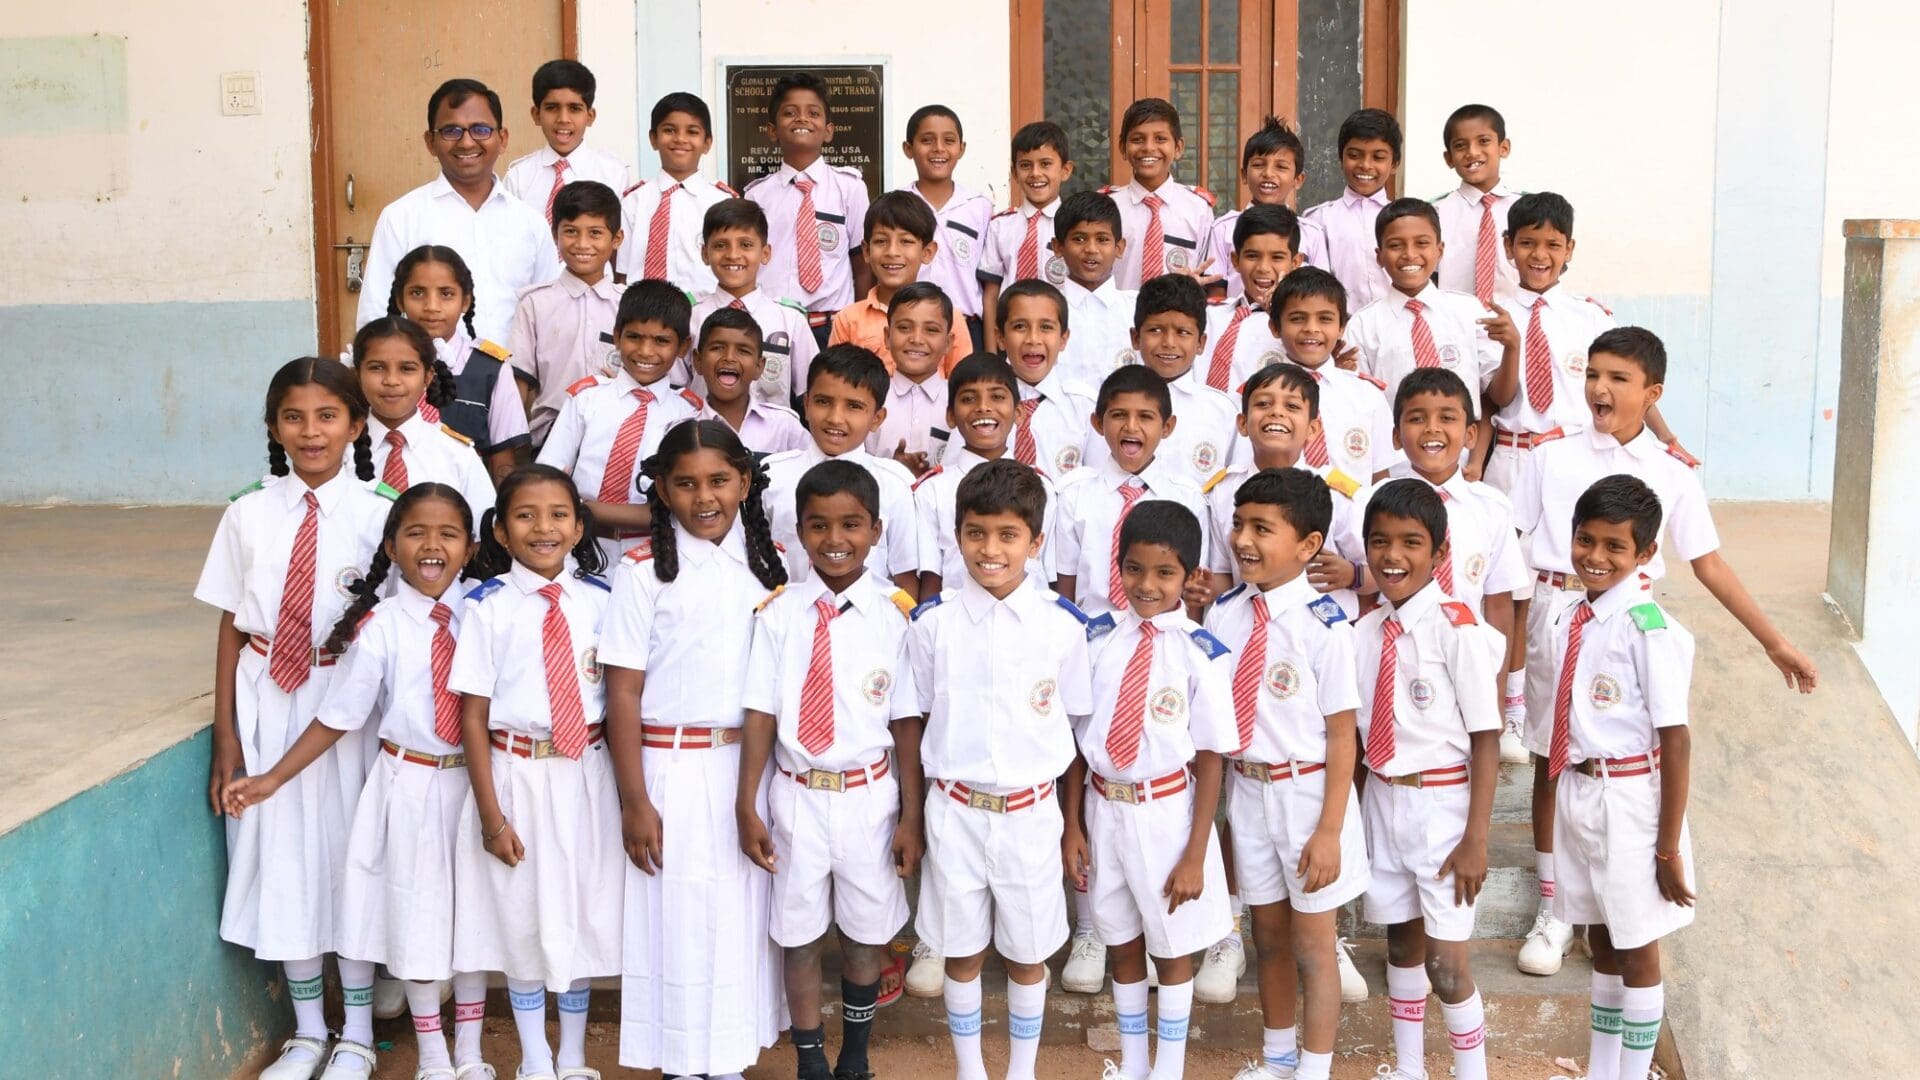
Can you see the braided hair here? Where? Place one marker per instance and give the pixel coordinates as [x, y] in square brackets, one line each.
[432, 253]
[336, 379]
[493, 558]
[439, 376]
[682, 439]
[366, 591]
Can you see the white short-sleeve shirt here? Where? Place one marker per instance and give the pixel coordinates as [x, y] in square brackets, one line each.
[1186, 225]
[1090, 505]
[935, 501]
[1483, 545]
[898, 551]
[387, 672]
[1343, 532]
[246, 569]
[687, 204]
[1460, 212]
[1632, 676]
[787, 346]
[501, 657]
[1342, 243]
[1062, 424]
[1189, 698]
[530, 176]
[1557, 473]
[1383, 333]
[505, 243]
[1253, 347]
[839, 218]
[1007, 234]
[1356, 420]
[1202, 440]
[1308, 673]
[582, 438]
[1446, 662]
[1570, 322]
[962, 236]
[1100, 332]
[432, 455]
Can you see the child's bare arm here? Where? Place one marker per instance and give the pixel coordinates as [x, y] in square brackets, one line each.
[909, 836]
[1188, 878]
[862, 277]
[317, 739]
[1717, 575]
[620, 517]
[1073, 836]
[1676, 766]
[1064, 585]
[989, 304]
[756, 747]
[227, 760]
[1468, 863]
[1320, 855]
[639, 819]
[496, 832]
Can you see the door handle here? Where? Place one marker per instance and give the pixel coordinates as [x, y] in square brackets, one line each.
[356, 262]
[349, 192]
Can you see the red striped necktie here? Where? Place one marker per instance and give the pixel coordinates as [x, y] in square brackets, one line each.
[563, 684]
[394, 473]
[1130, 707]
[291, 661]
[1562, 743]
[446, 703]
[1248, 673]
[1380, 736]
[816, 696]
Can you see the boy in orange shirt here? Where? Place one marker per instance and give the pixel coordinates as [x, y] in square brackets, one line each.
[898, 243]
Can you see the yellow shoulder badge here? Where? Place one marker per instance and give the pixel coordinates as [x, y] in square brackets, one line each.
[762, 605]
[497, 351]
[1342, 483]
[902, 601]
[456, 434]
[1213, 482]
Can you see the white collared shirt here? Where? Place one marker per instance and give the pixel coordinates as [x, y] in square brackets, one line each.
[433, 455]
[686, 219]
[898, 551]
[914, 411]
[1356, 420]
[1202, 440]
[1480, 536]
[562, 333]
[505, 243]
[935, 501]
[582, 438]
[872, 678]
[1001, 683]
[1254, 347]
[530, 176]
[1571, 322]
[1629, 680]
[1100, 333]
[1186, 226]
[1007, 234]
[787, 346]
[1557, 473]
[1460, 213]
[766, 429]
[1383, 332]
[500, 655]
[387, 672]
[1220, 246]
[1189, 699]
[1342, 243]
[1090, 506]
[962, 236]
[246, 568]
[1343, 533]
[839, 215]
[1062, 424]
[1444, 688]
[1308, 675]
[690, 635]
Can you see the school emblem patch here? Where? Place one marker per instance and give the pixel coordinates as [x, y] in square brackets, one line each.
[773, 378]
[960, 246]
[1176, 259]
[1272, 357]
[876, 685]
[1056, 271]
[1449, 356]
[1167, 706]
[590, 669]
[1123, 358]
[1476, 567]
[829, 236]
[1357, 443]
[1205, 457]
[610, 363]
[1068, 459]
[1421, 691]
[1282, 680]
[346, 579]
[1605, 692]
[1040, 698]
[1576, 363]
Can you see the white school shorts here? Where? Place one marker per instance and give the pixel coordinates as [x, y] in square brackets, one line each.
[1548, 605]
[1272, 822]
[1504, 465]
[992, 879]
[1604, 832]
[1133, 848]
[1411, 831]
[835, 860]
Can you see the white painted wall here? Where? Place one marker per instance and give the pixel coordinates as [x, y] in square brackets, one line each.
[606, 47]
[1873, 159]
[187, 204]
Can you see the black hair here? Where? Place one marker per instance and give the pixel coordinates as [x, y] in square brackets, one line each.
[1291, 376]
[656, 301]
[335, 378]
[587, 198]
[1405, 208]
[1178, 293]
[432, 253]
[797, 80]
[1540, 208]
[493, 558]
[440, 386]
[1029, 287]
[454, 93]
[982, 367]
[900, 210]
[681, 101]
[1267, 221]
[854, 365]
[763, 559]
[1003, 486]
[735, 213]
[1146, 111]
[1274, 136]
[1370, 124]
[1638, 346]
[562, 75]
[1414, 500]
[366, 591]
[1086, 208]
[1163, 522]
[1302, 283]
[1432, 380]
[1038, 135]
[1305, 502]
[918, 291]
[1134, 379]
[1486, 113]
[730, 318]
[834, 477]
[926, 112]
[1621, 498]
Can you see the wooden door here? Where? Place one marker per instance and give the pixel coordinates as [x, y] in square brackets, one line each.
[373, 64]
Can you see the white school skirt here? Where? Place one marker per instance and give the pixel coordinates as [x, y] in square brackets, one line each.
[396, 899]
[557, 916]
[702, 991]
[285, 856]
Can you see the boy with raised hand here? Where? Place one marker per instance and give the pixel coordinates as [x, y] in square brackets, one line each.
[1473, 216]
[919, 335]
[1272, 166]
[663, 217]
[563, 110]
[1263, 247]
[1308, 315]
[935, 144]
[1344, 242]
[1050, 428]
[1170, 221]
[1017, 238]
[1086, 243]
[898, 239]
[733, 245]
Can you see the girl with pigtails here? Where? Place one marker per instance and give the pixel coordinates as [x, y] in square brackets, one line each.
[402, 378]
[701, 991]
[433, 288]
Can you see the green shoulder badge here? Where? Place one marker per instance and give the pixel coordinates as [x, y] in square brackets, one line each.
[1648, 616]
[248, 490]
[385, 492]
[795, 305]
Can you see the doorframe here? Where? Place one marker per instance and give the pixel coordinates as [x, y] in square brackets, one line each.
[321, 171]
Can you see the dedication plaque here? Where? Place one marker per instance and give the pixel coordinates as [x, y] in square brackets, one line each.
[854, 105]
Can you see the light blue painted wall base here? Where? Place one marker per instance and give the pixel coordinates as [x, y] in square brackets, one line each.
[109, 935]
[141, 403]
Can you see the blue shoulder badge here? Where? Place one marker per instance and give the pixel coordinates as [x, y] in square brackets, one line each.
[1212, 646]
[1230, 593]
[485, 588]
[925, 606]
[1071, 609]
[1328, 610]
[1099, 626]
[597, 582]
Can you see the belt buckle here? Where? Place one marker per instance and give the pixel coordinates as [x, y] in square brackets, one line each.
[1257, 770]
[822, 780]
[454, 761]
[982, 800]
[1120, 791]
[542, 748]
[727, 737]
[1412, 780]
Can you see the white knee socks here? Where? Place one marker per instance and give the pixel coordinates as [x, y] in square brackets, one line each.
[1130, 1014]
[1467, 1031]
[963, 1023]
[530, 1020]
[1176, 1007]
[1407, 1002]
[423, 1001]
[469, 1010]
[573, 1025]
[1603, 1047]
[1026, 1010]
[306, 988]
[1641, 1008]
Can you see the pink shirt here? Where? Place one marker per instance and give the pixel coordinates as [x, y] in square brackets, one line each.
[787, 347]
[1460, 213]
[962, 236]
[1186, 226]
[839, 216]
[1007, 234]
[1344, 245]
[687, 204]
[914, 410]
[767, 428]
[563, 332]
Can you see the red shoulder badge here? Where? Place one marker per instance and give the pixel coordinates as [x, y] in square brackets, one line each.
[1458, 614]
[1676, 453]
[633, 189]
[930, 474]
[364, 620]
[1601, 306]
[574, 390]
[1008, 210]
[730, 192]
[641, 551]
[1378, 383]
[693, 399]
[1108, 189]
[1204, 193]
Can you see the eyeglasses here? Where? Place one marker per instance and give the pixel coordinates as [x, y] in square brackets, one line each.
[453, 132]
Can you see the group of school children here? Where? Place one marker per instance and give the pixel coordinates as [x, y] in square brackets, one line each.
[797, 550]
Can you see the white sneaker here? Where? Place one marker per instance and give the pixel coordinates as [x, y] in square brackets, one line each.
[1260, 1070]
[1512, 750]
[927, 975]
[1086, 970]
[302, 1066]
[1218, 980]
[1353, 985]
[1547, 944]
[1389, 1072]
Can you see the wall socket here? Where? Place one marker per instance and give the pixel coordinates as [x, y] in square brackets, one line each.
[240, 93]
